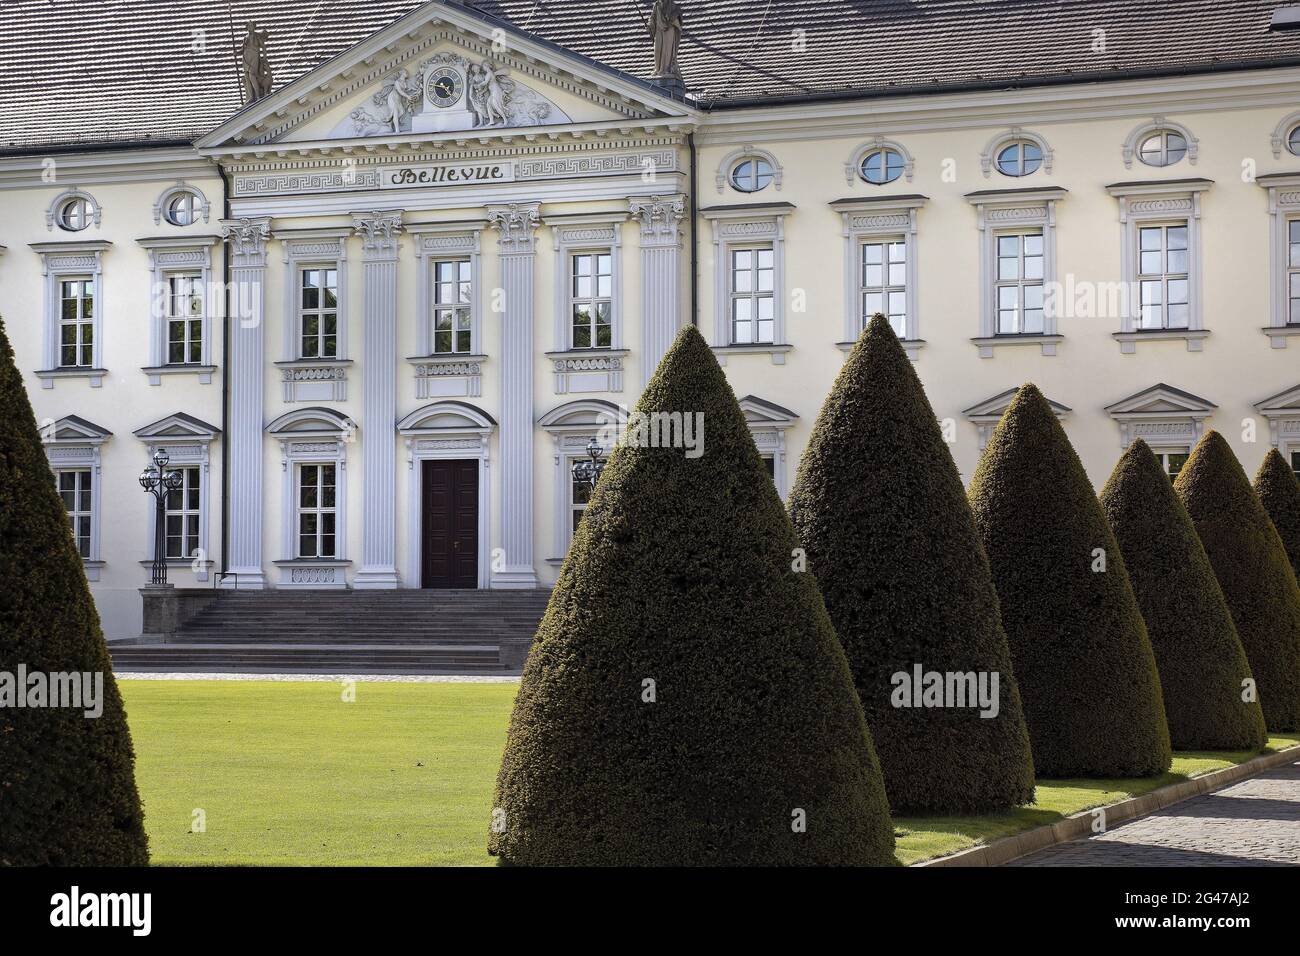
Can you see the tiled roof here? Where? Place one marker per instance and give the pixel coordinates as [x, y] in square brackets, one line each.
[126, 71]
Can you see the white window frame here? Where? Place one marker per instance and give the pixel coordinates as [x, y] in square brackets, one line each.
[80, 285]
[729, 162]
[318, 378]
[1022, 281]
[989, 155]
[587, 369]
[768, 423]
[203, 208]
[172, 256]
[874, 220]
[1165, 275]
[571, 426]
[188, 441]
[853, 165]
[1283, 209]
[458, 374]
[71, 260]
[312, 436]
[53, 210]
[1159, 124]
[748, 226]
[999, 212]
[755, 294]
[1151, 204]
[319, 510]
[74, 444]
[81, 477]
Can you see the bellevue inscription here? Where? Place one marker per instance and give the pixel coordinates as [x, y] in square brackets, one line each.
[447, 175]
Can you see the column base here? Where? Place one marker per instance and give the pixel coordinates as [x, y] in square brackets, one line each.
[376, 579]
[514, 579]
[247, 579]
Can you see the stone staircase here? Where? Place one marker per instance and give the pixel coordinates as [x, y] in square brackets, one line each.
[346, 632]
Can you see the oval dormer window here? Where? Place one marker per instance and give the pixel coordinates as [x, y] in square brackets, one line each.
[751, 174]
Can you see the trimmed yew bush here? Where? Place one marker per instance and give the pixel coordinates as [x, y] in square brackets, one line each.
[880, 508]
[1199, 656]
[1251, 565]
[1080, 651]
[1279, 493]
[67, 783]
[685, 700]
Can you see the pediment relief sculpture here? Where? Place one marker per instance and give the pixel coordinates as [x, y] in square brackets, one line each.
[449, 92]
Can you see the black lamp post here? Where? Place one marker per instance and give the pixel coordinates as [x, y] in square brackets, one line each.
[589, 470]
[160, 482]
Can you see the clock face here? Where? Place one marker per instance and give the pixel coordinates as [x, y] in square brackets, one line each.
[444, 86]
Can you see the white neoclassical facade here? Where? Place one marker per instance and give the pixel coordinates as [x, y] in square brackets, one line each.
[375, 316]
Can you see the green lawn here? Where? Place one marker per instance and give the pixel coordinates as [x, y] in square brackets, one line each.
[289, 773]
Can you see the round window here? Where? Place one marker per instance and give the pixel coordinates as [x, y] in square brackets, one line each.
[1019, 159]
[75, 215]
[1163, 148]
[882, 166]
[1293, 141]
[182, 209]
[751, 175]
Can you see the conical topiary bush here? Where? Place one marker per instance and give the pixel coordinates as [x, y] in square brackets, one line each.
[880, 508]
[67, 784]
[1251, 565]
[1198, 654]
[1079, 648]
[685, 700]
[1279, 493]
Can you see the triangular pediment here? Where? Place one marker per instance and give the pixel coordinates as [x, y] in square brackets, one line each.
[178, 427]
[73, 429]
[1162, 401]
[1283, 403]
[760, 412]
[440, 71]
[992, 408]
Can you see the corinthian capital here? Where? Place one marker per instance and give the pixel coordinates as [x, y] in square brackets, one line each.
[516, 224]
[378, 232]
[247, 238]
[660, 218]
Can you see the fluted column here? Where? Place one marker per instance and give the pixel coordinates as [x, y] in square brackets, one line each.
[379, 244]
[661, 275]
[245, 367]
[516, 225]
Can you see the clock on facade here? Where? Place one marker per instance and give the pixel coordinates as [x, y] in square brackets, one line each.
[445, 85]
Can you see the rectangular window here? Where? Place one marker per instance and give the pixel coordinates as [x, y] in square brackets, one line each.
[1172, 460]
[1018, 286]
[317, 511]
[1163, 276]
[74, 489]
[592, 303]
[1293, 272]
[76, 323]
[884, 282]
[753, 295]
[452, 299]
[769, 463]
[184, 320]
[181, 515]
[579, 498]
[1295, 463]
[318, 312]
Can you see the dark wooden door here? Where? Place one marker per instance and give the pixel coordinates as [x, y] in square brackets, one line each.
[450, 525]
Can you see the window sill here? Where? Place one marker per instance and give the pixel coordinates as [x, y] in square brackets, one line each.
[1278, 334]
[448, 375]
[314, 380]
[988, 343]
[48, 375]
[92, 568]
[156, 372]
[1128, 340]
[587, 370]
[315, 363]
[776, 351]
[911, 346]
